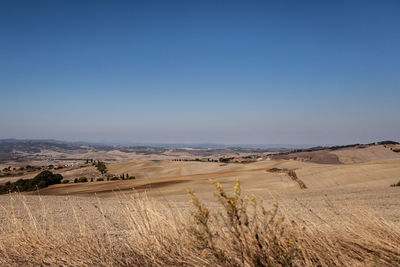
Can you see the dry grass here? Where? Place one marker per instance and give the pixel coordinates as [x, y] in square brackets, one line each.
[238, 232]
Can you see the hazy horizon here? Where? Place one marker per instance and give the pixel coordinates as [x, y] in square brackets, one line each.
[237, 72]
[202, 145]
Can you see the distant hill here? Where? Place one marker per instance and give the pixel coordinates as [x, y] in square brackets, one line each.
[354, 153]
[20, 150]
[25, 149]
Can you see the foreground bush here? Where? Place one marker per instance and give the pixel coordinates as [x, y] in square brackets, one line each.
[42, 180]
[241, 238]
[238, 232]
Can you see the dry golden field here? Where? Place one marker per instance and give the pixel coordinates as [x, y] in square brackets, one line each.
[348, 215]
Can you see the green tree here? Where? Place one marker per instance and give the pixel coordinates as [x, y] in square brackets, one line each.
[42, 180]
[101, 167]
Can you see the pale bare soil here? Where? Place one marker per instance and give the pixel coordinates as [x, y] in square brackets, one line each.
[68, 173]
[358, 154]
[371, 153]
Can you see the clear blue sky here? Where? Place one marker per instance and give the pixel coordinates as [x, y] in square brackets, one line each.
[270, 72]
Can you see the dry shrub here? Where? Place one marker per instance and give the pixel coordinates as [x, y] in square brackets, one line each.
[246, 234]
[238, 237]
[242, 232]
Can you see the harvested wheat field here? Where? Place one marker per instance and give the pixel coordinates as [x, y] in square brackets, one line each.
[234, 230]
[359, 185]
[282, 213]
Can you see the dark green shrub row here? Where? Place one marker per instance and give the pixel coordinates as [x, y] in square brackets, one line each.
[225, 160]
[275, 170]
[81, 180]
[126, 176]
[120, 178]
[388, 142]
[396, 184]
[42, 180]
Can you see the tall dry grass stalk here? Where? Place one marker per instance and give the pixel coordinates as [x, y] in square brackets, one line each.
[138, 231]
